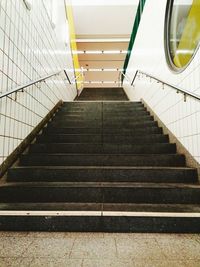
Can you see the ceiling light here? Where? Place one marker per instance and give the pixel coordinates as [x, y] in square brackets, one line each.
[75, 52]
[94, 69]
[103, 40]
[100, 52]
[93, 52]
[99, 82]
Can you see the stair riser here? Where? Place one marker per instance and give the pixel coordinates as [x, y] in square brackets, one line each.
[108, 96]
[104, 109]
[100, 195]
[101, 160]
[102, 175]
[106, 148]
[105, 124]
[108, 113]
[147, 130]
[100, 224]
[66, 119]
[148, 139]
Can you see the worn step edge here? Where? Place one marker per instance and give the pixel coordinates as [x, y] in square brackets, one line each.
[101, 185]
[102, 207]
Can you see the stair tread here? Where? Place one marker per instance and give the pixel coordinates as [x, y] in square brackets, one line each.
[110, 156]
[117, 207]
[100, 185]
[105, 167]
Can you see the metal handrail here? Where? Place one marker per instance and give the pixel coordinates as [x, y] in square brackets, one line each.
[22, 87]
[76, 78]
[125, 76]
[178, 89]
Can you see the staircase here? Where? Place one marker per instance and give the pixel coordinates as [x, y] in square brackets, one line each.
[101, 166]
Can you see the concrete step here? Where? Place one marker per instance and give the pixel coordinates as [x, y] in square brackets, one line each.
[102, 138]
[104, 119]
[75, 217]
[149, 193]
[97, 113]
[122, 131]
[87, 148]
[170, 160]
[102, 174]
[98, 124]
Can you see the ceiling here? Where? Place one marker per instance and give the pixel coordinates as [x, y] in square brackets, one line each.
[103, 26]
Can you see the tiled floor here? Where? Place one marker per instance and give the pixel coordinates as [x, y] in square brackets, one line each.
[98, 249]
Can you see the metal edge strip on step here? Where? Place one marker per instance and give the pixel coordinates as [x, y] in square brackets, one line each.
[99, 213]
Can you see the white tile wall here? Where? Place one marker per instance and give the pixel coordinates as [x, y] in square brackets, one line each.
[31, 48]
[148, 55]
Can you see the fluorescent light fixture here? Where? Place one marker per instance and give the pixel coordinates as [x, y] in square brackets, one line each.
[93, 52]
[115, 52]
[94, 69]
[96, 82]
[110, 82]
[99, 52]
[103, 40]
[75, 52]
[113, 69]
[100, 82]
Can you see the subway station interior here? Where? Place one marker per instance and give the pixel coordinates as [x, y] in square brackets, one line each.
[100, 133]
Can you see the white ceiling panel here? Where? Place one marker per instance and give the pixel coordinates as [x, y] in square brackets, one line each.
[104, 20]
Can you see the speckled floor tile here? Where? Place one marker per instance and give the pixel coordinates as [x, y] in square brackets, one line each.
[56, 262]
[134, 235]
[157, 263]
[94, 248]
[139, 249]
[192, 263]
[13, 234]
[46, 234]
[89, 235]
[107, 263]
[98, 250]
[194, 237]
[14, 246]
[49, 247]
[179, 248]
[15, 262]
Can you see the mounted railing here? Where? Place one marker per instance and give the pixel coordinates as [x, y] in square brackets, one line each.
[24, 107]
[22, 87]
[176, 109]
[176, 88]
[123, 77]
[77, 80]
